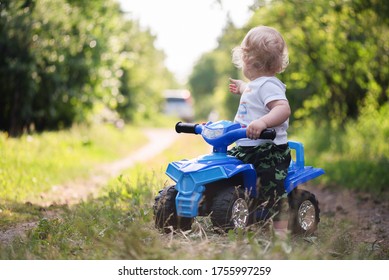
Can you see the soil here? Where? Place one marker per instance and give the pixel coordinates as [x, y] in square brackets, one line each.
[367, 213]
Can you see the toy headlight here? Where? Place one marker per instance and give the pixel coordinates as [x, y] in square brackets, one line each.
[212, 133]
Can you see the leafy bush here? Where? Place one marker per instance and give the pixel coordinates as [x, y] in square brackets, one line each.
[356, 156]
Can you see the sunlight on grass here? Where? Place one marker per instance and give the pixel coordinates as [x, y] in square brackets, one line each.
[32, 163]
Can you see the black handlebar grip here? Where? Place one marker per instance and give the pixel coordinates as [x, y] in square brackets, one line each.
[268, 134]
[186, 127]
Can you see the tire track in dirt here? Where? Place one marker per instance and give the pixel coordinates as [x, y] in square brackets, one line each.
[78, 190]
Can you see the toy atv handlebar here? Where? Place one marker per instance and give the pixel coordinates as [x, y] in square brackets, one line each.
[187, 128]
[221, 134]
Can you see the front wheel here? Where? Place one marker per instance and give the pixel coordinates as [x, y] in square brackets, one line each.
[303, 212]
[165, 213]
[231, 208]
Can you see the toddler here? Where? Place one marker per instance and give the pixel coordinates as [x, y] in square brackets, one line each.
[263, 54]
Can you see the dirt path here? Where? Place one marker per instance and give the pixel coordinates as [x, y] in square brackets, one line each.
[81, 189]
[369, 215]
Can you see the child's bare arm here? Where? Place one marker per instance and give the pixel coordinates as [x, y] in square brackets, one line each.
[279, 113]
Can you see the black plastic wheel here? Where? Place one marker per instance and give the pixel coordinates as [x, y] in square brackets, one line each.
[303, 212]
[231, 208]
[165, 213]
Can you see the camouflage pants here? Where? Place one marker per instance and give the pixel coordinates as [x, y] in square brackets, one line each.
[271, 163]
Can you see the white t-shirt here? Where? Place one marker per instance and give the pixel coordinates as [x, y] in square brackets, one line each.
[252, 106]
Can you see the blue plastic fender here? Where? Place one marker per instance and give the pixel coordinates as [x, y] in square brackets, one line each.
[191, 176]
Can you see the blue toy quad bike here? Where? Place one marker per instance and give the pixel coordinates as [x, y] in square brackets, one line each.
[224, 188]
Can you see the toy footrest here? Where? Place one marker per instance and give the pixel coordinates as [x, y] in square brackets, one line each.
[187, 206]
[301, 176]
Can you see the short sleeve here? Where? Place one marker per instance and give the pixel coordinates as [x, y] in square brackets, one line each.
[273, 90]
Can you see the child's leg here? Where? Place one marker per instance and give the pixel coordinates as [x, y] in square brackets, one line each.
[271, 163]
[272, 172]
[272, 191]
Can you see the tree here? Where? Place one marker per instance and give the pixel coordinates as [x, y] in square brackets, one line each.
[338, 53]
[210, 76]
[61, 60]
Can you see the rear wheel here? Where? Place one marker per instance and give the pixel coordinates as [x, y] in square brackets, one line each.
[165, 213]
[303, 212]
[231, 208]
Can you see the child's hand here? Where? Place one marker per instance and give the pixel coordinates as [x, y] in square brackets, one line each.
[237, 86]
[255, 128]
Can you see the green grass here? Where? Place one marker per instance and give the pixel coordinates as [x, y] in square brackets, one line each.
[355, 156]
[33, 163]
[119, 225]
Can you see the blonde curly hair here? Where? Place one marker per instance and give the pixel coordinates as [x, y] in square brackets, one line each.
[263, 49]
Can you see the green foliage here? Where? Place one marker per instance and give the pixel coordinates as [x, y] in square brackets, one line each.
[337, 53]
[209, 78]
[202, 82]
[62, 60]
[356, 156]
